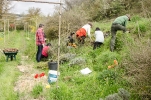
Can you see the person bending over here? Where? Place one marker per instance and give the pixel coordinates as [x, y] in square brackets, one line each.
[45, 50]
[99, 38]
[118, 24]
[82, 32]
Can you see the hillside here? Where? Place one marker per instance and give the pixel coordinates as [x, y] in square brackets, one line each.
[129, 80]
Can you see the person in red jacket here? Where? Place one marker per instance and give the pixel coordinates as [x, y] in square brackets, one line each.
[45, 50]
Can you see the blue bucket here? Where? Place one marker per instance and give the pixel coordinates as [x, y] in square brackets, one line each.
[52, 76]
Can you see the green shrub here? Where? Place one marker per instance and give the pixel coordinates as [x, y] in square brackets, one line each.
[108, 76]
[104, 59]
[136, 18]
[122, 41]
[142, 27]
[52, 33]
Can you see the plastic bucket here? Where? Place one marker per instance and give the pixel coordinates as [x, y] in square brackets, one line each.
[52, 76]
[52, 65]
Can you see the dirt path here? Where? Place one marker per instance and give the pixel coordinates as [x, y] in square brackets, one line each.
[27, 81]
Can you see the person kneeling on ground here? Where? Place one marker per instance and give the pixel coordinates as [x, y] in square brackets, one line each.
[99, 38]
[71, 40]
[45, 50]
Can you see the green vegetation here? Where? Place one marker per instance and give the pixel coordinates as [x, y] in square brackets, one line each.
[129, 80]
[101, 83]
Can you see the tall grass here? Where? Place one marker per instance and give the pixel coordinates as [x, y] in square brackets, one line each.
[138, 68]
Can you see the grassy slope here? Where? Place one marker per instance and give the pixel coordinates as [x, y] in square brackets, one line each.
[91, 87]
[100, 83]
[79, 87]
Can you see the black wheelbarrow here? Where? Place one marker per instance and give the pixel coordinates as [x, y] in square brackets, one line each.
[10, 53]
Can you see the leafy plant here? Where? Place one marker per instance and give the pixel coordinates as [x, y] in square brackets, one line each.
[108, 76]
[136, 18]
[142, 27]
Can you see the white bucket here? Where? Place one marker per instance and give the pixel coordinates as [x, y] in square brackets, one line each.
[52, 76]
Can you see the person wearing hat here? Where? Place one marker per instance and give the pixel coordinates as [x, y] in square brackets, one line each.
[40, 41]
[118, 24]
[82, 32]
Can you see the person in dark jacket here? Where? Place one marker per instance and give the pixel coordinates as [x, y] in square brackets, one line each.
[71, 41]
[118, 24]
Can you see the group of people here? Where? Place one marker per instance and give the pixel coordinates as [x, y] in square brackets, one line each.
[82, 33]
[118, 24]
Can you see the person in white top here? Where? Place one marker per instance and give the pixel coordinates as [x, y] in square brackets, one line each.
[99, 38]
[82, 32]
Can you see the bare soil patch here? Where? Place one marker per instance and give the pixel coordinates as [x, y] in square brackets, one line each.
[27, 80]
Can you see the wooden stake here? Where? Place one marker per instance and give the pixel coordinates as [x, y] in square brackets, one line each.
[35, 33]
[4, 32]
[8, 28]
[59, 42]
